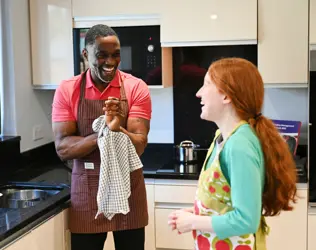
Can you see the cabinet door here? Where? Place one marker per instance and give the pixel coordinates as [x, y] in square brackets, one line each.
[21, 243]
[289, 229]
[50, 235]
[283, 41]
[311, 231]
[51, 40]
[209, 22]
[101, 8]
[149, 230]
[312, 24]
[109, 243]
[67, 233]
[165, 238]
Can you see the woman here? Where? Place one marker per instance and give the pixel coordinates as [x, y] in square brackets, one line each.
[249, 171]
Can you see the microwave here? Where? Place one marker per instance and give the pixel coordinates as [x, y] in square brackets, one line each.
[140, 52]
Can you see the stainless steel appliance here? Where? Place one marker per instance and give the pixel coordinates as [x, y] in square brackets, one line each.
[186, 152]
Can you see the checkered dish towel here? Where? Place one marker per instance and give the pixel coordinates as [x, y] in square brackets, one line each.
[118, 159]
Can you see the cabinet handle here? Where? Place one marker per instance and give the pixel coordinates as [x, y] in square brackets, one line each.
[173, 205]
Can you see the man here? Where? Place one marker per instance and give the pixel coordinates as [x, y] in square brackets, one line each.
[77, 102]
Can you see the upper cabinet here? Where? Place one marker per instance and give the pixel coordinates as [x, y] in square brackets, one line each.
[51, 39]
[103, 8]
[208, 22]
[312, 24]
[283, 41]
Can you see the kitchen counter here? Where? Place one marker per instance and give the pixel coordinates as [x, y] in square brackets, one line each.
[15, 222]
[158, 164]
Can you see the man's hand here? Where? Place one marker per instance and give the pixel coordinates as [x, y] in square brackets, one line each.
[113, 113]
[112, 106]
[137, 128]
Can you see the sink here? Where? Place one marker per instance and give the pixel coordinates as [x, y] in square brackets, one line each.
[24, 197]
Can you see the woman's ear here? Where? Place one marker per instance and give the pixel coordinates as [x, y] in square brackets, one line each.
[227, 99]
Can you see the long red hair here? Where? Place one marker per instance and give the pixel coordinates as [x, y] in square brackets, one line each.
[241, 81]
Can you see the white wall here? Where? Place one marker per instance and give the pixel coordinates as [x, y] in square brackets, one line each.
[24, 107]
[161, 128]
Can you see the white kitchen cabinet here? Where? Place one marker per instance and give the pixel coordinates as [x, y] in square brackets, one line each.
[102, 8]
[289, 229]
[109, 243]
[167, 239]
[283, 41]
[209, 22]
[21, 243]
[312, 229]
[171, 195]
[51, 42]
[50, 235]
[150, 229]
[312, 24]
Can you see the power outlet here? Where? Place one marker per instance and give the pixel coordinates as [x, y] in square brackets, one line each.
[38, 132]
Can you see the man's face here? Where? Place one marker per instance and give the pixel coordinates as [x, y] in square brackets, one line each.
[103, 57]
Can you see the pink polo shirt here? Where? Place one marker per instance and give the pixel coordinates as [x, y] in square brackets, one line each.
[66, 98]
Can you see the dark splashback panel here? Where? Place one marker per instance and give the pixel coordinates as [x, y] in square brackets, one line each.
[190, 65]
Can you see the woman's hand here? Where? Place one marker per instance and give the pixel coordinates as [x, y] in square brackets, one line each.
[184, 221]
[173, 217]
[113, 114]
[172, 220]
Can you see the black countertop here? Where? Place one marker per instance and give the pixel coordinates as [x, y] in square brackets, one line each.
[15, 222]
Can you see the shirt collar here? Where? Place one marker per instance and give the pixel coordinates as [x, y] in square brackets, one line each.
[114, 83]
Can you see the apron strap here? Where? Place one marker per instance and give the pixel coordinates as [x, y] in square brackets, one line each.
[124, 104]
[81, 96]
[83, 86]
[260, 235]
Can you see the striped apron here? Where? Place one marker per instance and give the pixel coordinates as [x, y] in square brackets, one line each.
[85, 182]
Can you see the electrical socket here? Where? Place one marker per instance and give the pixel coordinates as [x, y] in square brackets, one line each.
[38, 132]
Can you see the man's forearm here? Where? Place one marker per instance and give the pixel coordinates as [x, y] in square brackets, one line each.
[139, 141]
[75, 147]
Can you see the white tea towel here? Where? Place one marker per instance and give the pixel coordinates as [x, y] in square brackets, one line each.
[118, 159]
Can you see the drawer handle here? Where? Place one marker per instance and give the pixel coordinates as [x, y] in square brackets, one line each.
[173, 205]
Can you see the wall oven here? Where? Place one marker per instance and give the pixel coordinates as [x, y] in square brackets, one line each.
[140, 52]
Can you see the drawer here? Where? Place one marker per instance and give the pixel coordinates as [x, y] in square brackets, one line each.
[165, 238]
[175, 194]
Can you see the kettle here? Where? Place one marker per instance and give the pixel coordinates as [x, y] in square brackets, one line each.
[186, 152]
